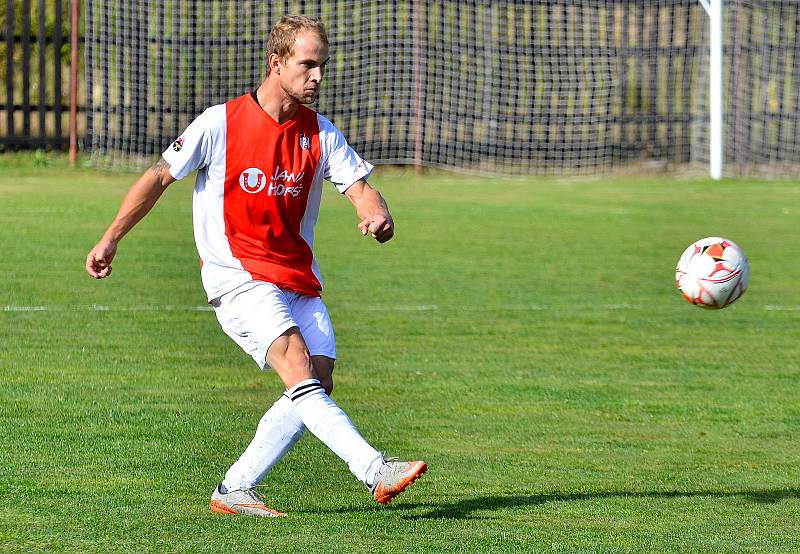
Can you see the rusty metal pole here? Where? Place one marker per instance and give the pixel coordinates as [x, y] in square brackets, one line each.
[73, 84]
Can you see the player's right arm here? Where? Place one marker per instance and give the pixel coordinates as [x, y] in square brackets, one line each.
[190, 151]
[139, 200]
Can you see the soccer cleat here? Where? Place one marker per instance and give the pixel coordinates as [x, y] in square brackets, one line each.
[394, 477]
[247, 502]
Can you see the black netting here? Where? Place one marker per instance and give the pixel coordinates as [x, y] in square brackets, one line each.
[501, 86]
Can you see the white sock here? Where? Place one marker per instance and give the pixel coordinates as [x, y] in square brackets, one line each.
[278, 431]
[331, 425]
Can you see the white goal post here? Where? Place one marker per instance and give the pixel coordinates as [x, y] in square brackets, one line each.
[715, 93]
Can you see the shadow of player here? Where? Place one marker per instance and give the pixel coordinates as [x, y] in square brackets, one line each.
[467, 507]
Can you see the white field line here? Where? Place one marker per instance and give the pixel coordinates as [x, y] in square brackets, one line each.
[399, 308]
[102, 308]
[367, 308]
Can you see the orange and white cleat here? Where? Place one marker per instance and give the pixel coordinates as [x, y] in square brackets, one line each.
[247, 502]
[394, 477]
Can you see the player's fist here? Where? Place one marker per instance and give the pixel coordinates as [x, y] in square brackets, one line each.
[98, 260]
[380, 226]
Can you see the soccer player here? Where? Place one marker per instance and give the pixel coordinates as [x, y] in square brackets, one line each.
[261, 159]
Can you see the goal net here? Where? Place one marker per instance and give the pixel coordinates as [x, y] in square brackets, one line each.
[762, 79]
[495, 87]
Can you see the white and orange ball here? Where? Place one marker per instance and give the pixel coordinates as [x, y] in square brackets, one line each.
[712, 273]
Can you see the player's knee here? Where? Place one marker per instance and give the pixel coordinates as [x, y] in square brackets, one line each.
[290, 359]
[297, 359]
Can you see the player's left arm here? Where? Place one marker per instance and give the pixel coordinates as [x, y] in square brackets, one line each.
[372, 211]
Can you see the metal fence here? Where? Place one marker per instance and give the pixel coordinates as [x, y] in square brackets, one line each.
[34, 61]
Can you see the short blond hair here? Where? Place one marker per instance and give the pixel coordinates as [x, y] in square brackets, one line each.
[282, 37]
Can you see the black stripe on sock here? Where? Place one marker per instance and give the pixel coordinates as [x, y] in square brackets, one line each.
[298, 396]
[292, 392]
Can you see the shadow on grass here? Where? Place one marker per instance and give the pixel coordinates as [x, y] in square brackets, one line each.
[465, 508]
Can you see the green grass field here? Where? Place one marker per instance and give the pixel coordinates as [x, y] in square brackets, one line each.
[524, 337]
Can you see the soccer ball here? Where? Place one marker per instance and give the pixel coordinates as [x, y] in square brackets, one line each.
[712, 273]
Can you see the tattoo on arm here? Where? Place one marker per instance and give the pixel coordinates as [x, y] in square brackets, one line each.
[160, 167]
[382, 203]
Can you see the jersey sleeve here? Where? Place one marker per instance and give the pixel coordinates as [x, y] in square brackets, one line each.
[192, 150]
[343, 166]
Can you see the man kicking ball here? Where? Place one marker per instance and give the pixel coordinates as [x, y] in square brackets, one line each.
[261, 160]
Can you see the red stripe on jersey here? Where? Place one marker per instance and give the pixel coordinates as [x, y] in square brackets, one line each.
[269, 169]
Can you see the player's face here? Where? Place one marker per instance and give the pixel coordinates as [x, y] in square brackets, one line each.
[301, 74]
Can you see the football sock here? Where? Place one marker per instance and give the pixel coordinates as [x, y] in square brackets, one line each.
[277, 432]
[331, 425]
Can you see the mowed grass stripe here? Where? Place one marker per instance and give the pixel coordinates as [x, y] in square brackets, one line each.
[523, 336]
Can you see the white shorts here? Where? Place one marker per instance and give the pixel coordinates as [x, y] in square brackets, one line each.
[257, 313]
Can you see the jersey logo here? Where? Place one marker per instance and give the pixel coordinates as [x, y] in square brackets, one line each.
[178, 144]
[305, 142]
[283, 183]
[252, 180]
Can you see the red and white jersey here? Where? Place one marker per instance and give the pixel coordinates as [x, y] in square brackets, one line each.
[258, 192]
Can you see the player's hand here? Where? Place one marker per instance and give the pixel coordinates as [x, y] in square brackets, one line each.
[381, 227]
[98, 260]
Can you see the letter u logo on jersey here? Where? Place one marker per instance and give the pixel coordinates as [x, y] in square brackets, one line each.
[252, 180]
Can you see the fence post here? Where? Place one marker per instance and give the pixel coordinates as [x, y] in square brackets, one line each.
[416, 16]
[73, 84]
[10, 130]
[41, 45]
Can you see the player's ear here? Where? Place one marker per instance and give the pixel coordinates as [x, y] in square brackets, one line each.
[273, 62]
